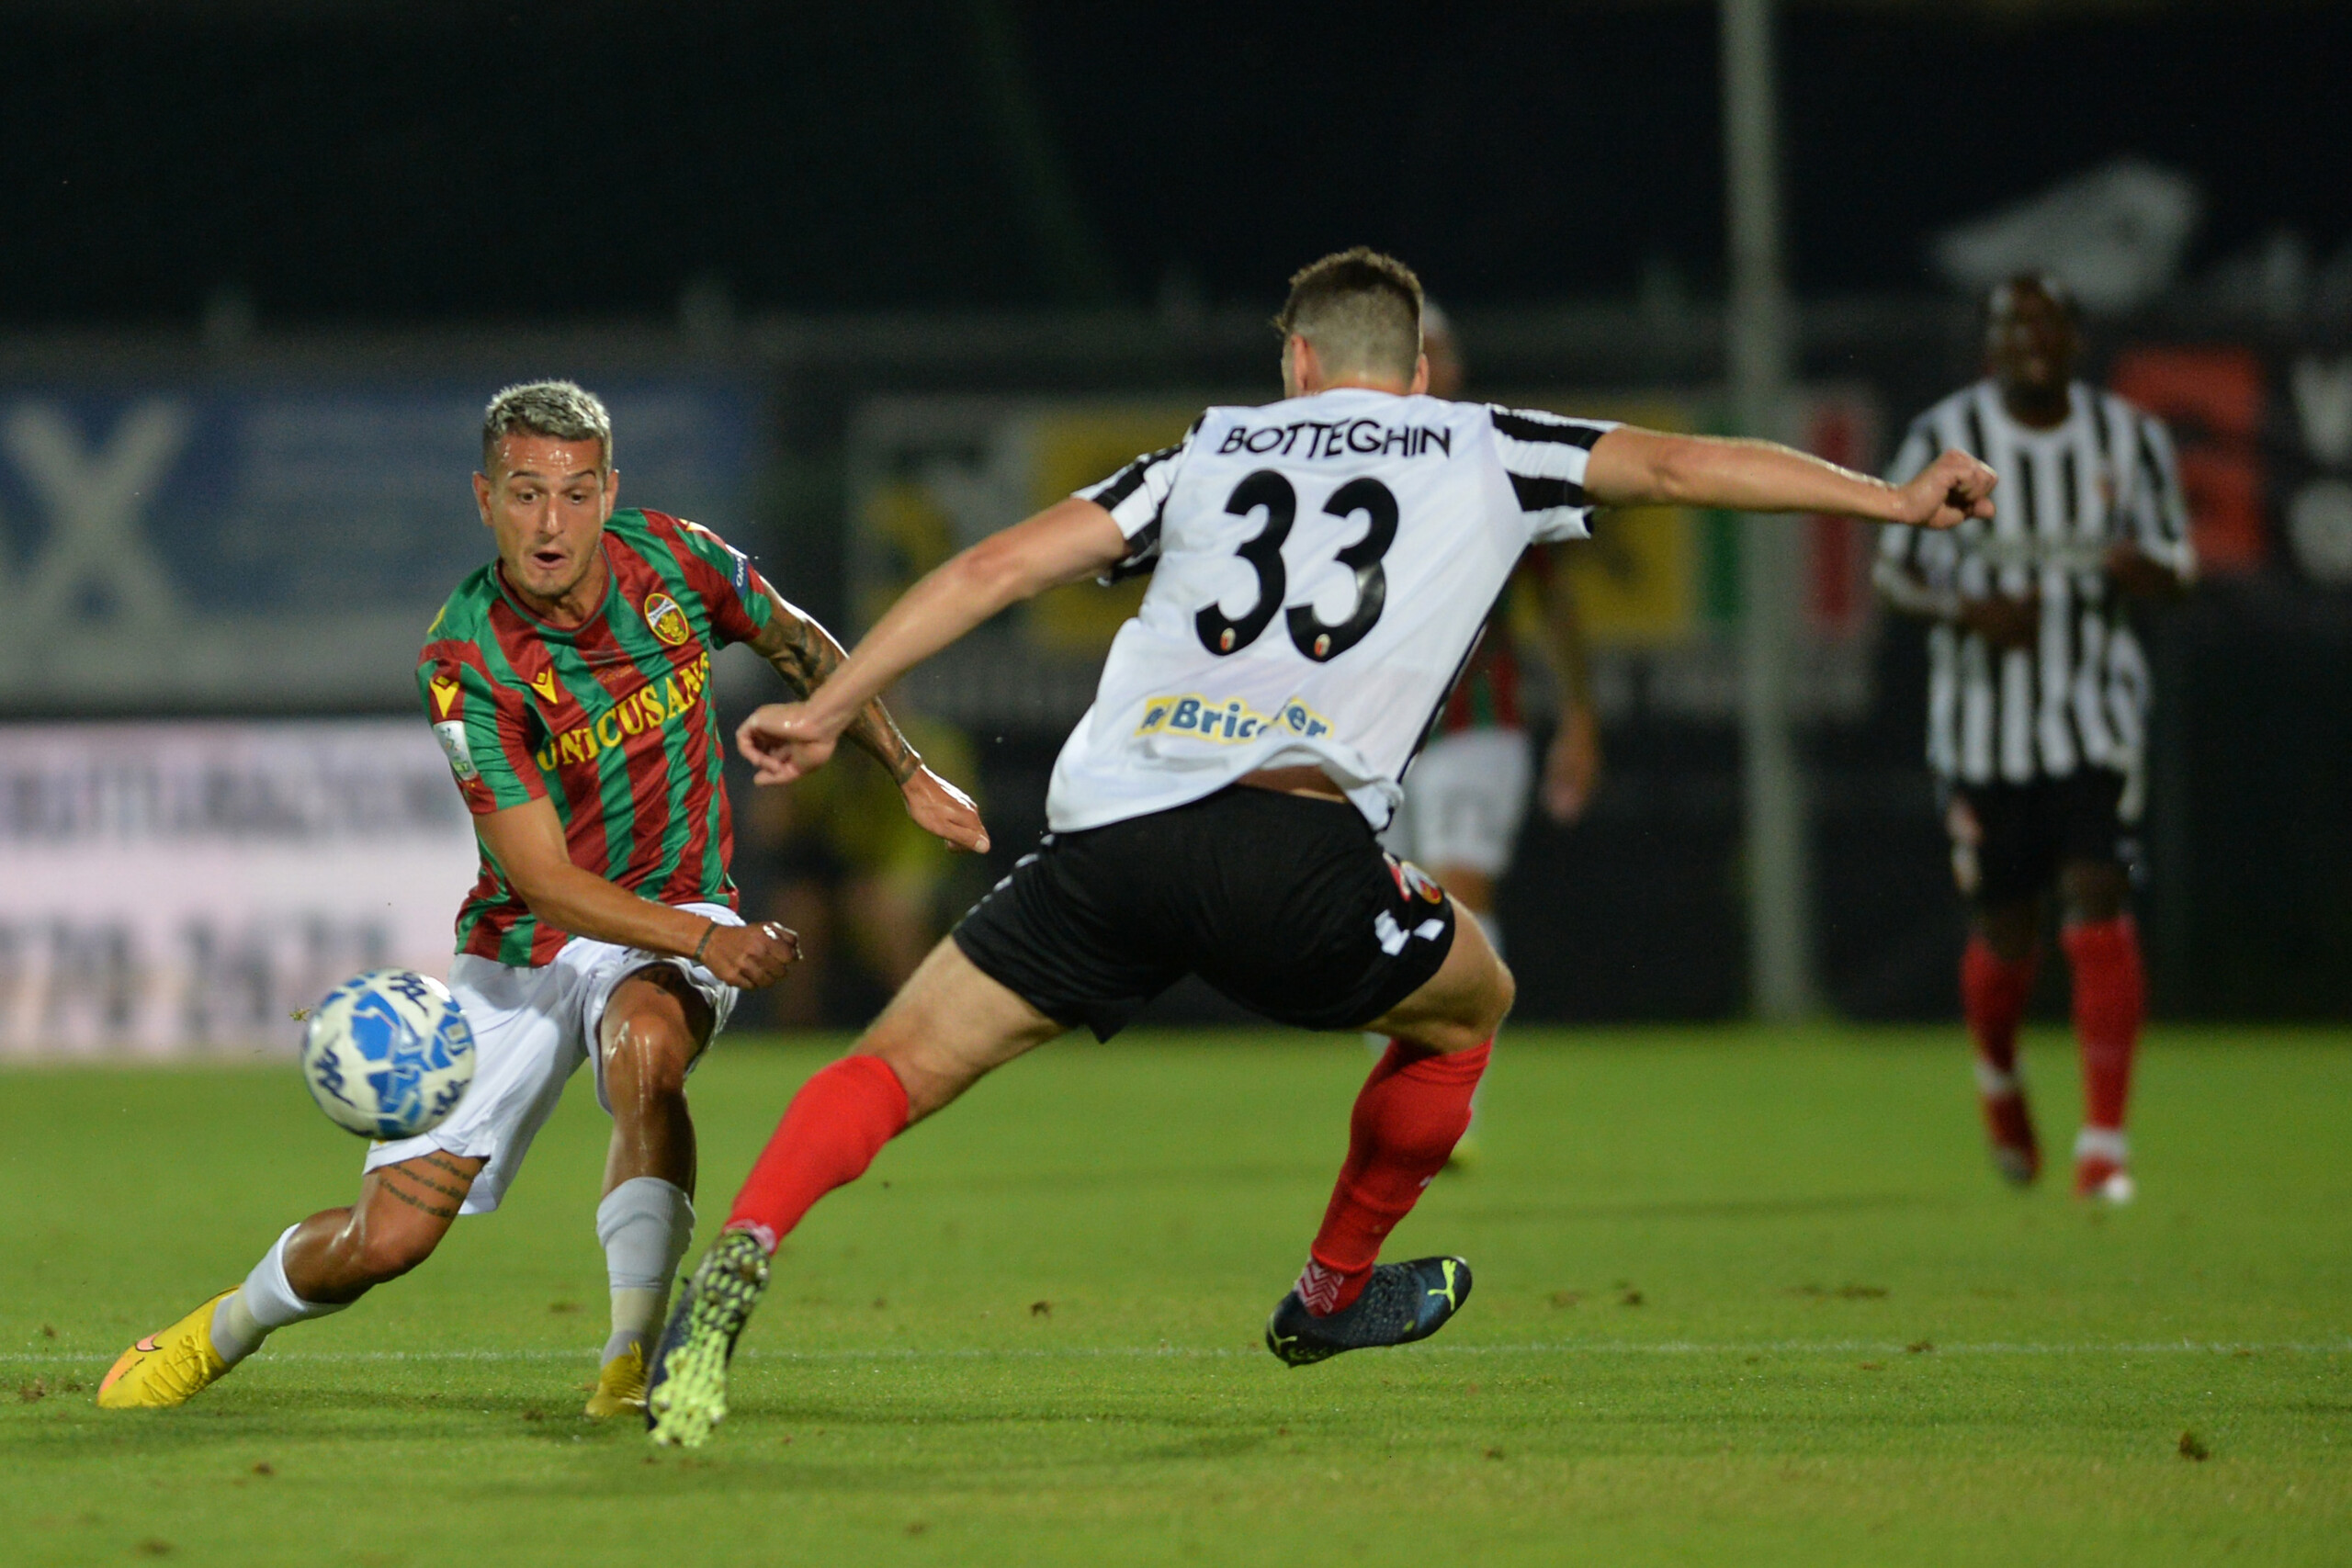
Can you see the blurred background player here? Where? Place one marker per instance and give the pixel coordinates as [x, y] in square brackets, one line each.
[2038, 700]
[569, 684]
[865, 887]
[1465, 794]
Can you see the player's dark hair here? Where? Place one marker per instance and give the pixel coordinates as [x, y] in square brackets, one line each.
[1360, 309]
[1997, 297]
[562, 411]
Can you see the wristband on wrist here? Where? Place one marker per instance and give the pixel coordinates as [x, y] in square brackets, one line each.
[706, 933]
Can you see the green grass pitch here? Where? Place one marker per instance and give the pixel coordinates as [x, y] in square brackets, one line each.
[1742, 1298]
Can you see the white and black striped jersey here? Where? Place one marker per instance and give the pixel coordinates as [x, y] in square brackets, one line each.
[1323, 568]
[2080, 695]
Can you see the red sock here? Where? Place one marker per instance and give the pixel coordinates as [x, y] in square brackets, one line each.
[830, 1134]
[2111, 999]
[1993, 994]
[1410, 1114]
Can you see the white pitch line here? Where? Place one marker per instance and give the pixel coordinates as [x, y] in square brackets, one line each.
[1145, 1352]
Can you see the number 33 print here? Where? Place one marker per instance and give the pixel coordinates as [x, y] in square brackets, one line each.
[1316, 638]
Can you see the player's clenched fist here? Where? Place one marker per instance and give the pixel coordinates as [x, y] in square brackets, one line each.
[750, 957]
[785, 740]
[1947, 491]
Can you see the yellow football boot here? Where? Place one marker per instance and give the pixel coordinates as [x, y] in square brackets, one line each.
[620, 1387]
[167, 1369]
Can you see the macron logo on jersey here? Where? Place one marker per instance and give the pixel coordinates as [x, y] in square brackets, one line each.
[1312, 438]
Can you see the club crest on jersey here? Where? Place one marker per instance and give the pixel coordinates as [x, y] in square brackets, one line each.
[444, 693]
[1412, 882]
[1226, 721]
[669, 622]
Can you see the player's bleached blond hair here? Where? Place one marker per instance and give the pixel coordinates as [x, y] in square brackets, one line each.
[563, 411]
[1361, 311]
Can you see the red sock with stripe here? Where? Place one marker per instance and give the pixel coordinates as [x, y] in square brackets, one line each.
[1993, 996]
[830, 1134]
[2110, 1000]
[1409, 1115]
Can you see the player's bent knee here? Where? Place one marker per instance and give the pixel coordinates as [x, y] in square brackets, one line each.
[2094, 892]
[647, 1060]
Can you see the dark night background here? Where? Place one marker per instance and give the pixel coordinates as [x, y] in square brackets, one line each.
[844, 204]
[341, 161]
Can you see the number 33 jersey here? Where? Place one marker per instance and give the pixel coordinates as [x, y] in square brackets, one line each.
[1322, 567]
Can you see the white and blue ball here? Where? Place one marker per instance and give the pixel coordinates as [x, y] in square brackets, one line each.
[387, 1055]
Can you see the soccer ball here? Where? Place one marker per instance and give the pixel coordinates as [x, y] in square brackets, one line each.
[387, 1055]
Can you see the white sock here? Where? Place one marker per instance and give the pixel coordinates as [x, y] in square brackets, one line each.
[2102, 1142]
[644, 1225]
[247, 1315]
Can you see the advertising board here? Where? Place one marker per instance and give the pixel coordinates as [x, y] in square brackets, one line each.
[171, 887]
[241, 547]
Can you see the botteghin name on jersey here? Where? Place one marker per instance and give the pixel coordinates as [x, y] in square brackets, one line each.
[1341, 438]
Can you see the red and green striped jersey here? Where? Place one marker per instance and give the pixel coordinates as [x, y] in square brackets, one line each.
[613, 720]
[1488, 694]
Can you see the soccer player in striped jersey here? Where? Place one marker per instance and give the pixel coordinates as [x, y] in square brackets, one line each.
[569, 683]
[2038, 700]
[1321, 568]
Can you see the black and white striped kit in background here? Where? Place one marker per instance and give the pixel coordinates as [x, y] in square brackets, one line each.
[2080, 695]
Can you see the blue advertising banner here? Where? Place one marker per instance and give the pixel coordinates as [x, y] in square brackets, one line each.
[282, 544]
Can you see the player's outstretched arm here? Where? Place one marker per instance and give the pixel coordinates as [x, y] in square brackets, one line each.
[807, 656]
[1070, 540]
[1632, 467]
[526, 844]
[1572, 765]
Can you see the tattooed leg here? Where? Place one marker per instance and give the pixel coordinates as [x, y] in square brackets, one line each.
[324, 1264]
[404, 1212]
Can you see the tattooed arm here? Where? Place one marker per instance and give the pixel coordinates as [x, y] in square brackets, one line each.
[805, 655]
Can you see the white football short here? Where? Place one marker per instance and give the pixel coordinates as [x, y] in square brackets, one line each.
[1465, 796]
[531, 1030]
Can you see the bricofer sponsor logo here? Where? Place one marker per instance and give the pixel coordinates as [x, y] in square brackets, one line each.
[1228, 721]
[644, 711]
[1347, 437]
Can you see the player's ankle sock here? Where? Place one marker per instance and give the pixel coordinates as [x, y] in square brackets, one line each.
[1407, 1117]
[247, 1315]
[1993, 994]
[830, 1134]
[2111, 999]
[643, 1224]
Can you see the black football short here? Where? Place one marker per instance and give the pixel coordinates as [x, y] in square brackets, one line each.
[2009, 839]
[1285, 904]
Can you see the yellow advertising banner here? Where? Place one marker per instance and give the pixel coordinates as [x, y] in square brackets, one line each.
[1637, 581]
[1074, 448]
